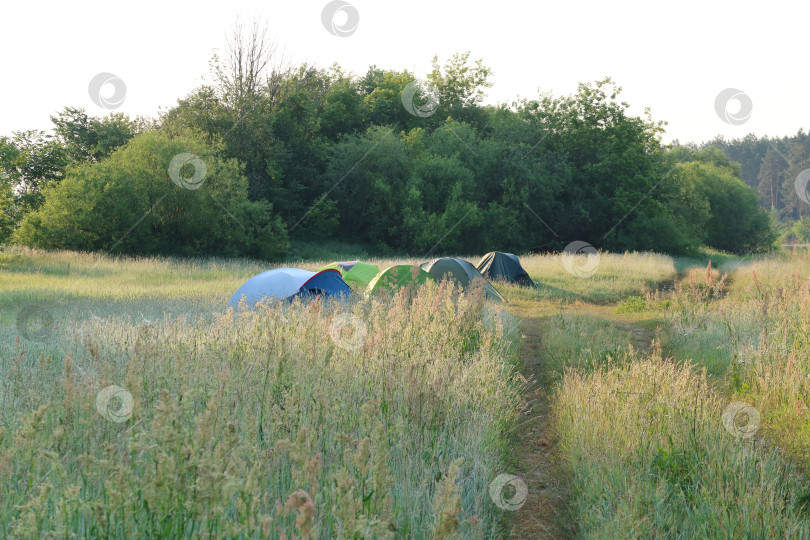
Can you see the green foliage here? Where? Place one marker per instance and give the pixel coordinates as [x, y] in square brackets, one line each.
[461, 86]
[340, 156]
[382, 98]
[368, 175]
[720, 208]
[128, 202]
[633, 304]
[31, 161]
[89, 138]
[800, 229]
[771, 165]
[342, 109]
[6, 209]
[679, 467]
[737, 225]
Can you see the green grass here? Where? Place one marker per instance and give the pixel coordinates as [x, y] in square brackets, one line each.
[718, 259]
[327, 251]
[283, 430]
[615, 277]
[582, 341]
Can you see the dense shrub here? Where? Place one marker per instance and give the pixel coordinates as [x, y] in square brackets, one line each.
[128, 202]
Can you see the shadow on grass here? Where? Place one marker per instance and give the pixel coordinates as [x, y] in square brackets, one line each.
[719, 261]
[541, 292]
[597, 296]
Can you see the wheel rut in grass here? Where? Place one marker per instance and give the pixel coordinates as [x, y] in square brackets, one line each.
[546, 511]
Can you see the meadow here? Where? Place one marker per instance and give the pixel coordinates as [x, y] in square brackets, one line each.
[679, 410]
[133, 404]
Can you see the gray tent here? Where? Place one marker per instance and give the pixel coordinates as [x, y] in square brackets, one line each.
[462, 272]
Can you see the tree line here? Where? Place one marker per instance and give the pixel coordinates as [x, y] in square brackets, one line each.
[770, 165]
[402, 166]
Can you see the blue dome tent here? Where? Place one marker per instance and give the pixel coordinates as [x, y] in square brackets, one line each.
[287, 283]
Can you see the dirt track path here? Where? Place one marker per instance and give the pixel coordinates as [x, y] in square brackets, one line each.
[545, 513]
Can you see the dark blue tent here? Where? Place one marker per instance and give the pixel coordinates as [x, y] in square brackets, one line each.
[497, 265]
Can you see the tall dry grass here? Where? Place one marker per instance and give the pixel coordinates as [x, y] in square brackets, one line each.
[644, 437]
[378, 418]
[752, 332]
[650, 458]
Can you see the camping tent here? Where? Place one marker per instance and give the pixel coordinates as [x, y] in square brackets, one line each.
[354, 272]
[401, 275]
[496, 265]
[460, 271]
[281, 283]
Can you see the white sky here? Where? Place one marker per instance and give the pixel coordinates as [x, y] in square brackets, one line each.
[674, 58]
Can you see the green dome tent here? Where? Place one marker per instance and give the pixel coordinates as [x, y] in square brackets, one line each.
[497, 265]
[395, 277]
[355, 273]
[462, 272]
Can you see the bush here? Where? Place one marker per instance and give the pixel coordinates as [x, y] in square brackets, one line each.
[633, 304]
[736, 224]
[128, 202]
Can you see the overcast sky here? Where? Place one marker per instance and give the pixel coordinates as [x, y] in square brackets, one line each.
[674, 58]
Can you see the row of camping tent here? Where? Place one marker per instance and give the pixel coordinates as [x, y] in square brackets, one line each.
[339, 278]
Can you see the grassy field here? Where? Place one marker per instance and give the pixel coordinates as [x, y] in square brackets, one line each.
[365, 419]
[650, 435]
[132, 403]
